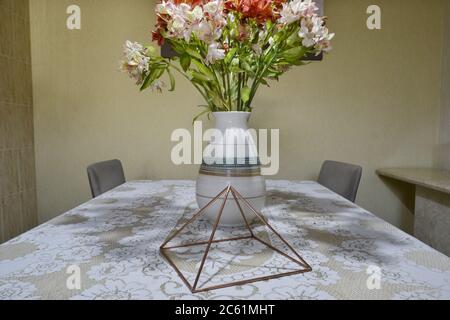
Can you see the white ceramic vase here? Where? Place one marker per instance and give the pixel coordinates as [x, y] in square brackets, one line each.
[234, 162]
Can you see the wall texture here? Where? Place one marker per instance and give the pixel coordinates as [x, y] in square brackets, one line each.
[18, 211]
[373, 101]
[443, 147]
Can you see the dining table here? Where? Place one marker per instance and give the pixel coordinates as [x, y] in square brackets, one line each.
[109, 248]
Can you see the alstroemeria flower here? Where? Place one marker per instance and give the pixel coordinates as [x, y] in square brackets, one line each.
[296, 10]
[214, 53]
[204, 31]
[307, 33]
[135, 61]
[304, 7]
[212, 7]
[324, 43]
[165, 7]
[287, 16]
[197, 14]
[314, 33]
[260, 10]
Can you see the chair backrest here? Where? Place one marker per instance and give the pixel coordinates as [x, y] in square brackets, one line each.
[342, 178]
[104, 176]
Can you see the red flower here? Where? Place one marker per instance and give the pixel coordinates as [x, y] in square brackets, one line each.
[260, 10]
[157, 37]
[192, 3]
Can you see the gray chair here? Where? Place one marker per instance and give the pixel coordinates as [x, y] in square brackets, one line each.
[342, 178]
[104, 176]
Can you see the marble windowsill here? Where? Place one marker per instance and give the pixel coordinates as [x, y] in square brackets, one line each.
[435, 179]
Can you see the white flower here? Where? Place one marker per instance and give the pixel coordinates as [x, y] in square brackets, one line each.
[287, 16]
[308, 37]
[212, 7]
[197, 13]
[204, 31]
[135, 61]
[177, 25]
[296, 10]
[142, 64]
[184, 7]
[314, 33]
[214, 53]
[304, 7]
[317, 25]
[165, 8]
[132, 49]
[325, 43]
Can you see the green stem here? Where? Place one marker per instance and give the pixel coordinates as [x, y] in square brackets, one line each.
[257, 80]
[238, 102]
[230, 106]
[218, 85]
[266, 66]
[224, 81]
[204, 95]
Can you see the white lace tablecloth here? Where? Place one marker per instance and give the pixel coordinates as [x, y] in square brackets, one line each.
[112, 243]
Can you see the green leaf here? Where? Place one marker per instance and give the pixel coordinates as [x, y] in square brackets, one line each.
[230, 55]
[194, 53]
[204, 70]
[185, 61]
[145, 84]
[293, 40]
[246, 66]
[200, 114]
[172, 80]
[264, 82]
[245, 94]
[200, 76]
[294, 54]
[151, 51]
[179, 49]
[154, 74]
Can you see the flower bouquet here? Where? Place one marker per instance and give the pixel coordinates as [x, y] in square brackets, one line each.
[228, 48]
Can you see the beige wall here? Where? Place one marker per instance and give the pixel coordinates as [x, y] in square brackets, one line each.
[18, 212]
[373, 101]
[442, 157]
